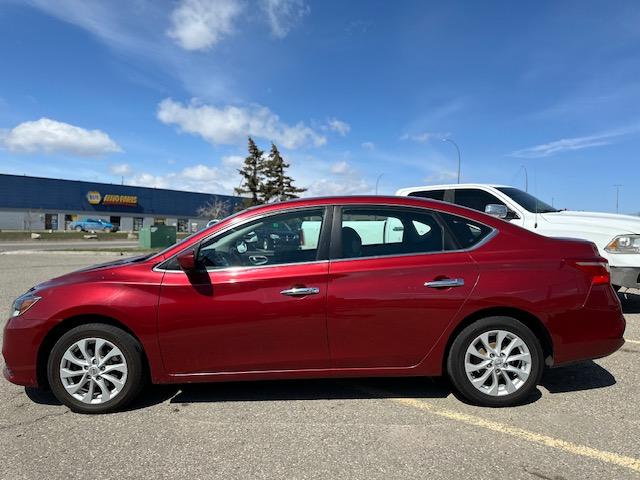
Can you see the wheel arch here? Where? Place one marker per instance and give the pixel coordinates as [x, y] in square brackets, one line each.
[527, 318]
[67, 324]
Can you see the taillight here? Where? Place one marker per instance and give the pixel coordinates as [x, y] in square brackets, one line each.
[598, 270]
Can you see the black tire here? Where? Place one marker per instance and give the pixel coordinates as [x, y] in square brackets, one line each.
[78, 228]
[456, 362]
[130, 348]
[106, 230]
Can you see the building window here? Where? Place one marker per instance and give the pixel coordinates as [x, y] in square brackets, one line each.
[183, 224]
[115, 221]
[51, 221]
[137, 223]
[68, 219]
[159, 221]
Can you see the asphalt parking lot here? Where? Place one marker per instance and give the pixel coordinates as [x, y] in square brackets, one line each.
[582, 423]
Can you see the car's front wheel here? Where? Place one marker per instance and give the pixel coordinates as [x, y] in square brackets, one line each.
[96, 368]
[496, 361]
[78, 228]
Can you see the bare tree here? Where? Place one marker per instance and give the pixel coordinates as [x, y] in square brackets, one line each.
[215, 209]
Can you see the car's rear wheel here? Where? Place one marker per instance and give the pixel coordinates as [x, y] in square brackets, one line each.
[78, 228]
[96, 368]
[496, 361]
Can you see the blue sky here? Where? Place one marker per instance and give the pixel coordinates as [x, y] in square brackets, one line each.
[165, 93]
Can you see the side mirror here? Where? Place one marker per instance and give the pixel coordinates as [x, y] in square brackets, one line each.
[496, 210]
[187, 260]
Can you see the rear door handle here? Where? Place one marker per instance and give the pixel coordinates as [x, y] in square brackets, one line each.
[445, 283]
[300, 291]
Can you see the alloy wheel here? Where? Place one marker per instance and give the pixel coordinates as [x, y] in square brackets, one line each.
[93, 370]
[497, 362]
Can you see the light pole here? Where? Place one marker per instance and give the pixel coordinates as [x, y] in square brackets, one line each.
[617, 185]
[458, 150]
[526, 179]
[378, 181]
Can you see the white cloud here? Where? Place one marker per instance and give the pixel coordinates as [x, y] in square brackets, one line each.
[368, 146]
[194, 178]
[441, 176]
[335, 125]
[422, 137]
[327, 186]
[566, 144]
[120, 169]
[341, 168]
[232, 124]
[200, 24]
[234, 161]
[283, 15]
[50, 136]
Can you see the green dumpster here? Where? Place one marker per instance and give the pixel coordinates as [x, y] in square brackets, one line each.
[157, 236]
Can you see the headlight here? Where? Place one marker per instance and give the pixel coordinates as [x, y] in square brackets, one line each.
[624, 244]
[23, 303]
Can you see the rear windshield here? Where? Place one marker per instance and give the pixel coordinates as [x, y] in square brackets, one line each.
[432, 194]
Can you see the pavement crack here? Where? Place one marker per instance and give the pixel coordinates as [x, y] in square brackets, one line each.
[543, 476]
[32, 422]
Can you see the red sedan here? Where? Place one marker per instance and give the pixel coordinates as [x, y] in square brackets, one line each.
[374, 286]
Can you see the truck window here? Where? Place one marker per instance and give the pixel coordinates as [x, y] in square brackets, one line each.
[475, 198]
[432, 194]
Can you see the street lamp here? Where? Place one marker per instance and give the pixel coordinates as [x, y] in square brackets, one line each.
[458, 150]
[378, 181]
[526, 179]
[618, 185]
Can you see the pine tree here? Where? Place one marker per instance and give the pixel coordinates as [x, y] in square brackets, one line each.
[253, 174]
[278, 186]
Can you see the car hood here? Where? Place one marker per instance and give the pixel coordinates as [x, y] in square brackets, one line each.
[595, 221]
[90, 273]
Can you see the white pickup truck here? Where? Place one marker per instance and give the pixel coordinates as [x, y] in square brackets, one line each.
[617, 236]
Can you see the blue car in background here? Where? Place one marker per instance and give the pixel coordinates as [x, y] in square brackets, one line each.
[92, 225]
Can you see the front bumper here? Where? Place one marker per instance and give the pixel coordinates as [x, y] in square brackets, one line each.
[628, 277]
[19, 349]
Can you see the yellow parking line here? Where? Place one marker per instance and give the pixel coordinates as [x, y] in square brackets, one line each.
[574, 448]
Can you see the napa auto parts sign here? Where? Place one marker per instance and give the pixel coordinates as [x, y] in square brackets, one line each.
[96, 198]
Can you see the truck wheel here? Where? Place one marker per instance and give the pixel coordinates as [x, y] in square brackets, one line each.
[495, 362]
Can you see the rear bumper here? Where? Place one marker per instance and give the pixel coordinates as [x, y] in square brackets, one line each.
[628, 277]
[593, 331]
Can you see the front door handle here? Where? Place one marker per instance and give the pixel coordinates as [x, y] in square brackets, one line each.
[300, 291]
[445, 283]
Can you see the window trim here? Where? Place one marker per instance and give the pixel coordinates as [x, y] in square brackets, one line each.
[322, 250]
[336, 237]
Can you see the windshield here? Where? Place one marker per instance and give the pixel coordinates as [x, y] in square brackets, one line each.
[527, 201]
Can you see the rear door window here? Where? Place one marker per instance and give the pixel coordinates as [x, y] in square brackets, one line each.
[374, 232]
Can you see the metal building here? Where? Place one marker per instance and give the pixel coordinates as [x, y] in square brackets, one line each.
[34, 203]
